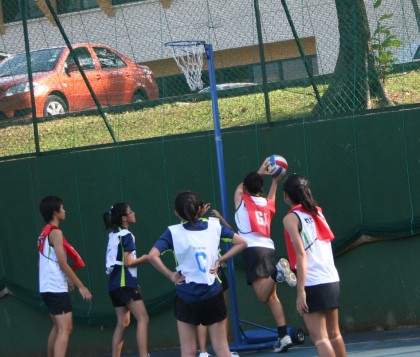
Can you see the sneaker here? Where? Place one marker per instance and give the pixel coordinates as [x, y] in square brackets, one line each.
[205, 354]
[284, 273]
[283, 344]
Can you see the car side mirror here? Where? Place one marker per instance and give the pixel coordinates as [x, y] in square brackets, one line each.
[71, 67]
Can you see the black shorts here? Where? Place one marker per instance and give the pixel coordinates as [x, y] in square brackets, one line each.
[57, 303]
[323, 296]
[205, 312]
[259, 263]
[222, 276]
[122, 296]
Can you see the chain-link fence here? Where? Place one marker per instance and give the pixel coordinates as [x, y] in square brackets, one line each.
[291, 59]
[284, 65]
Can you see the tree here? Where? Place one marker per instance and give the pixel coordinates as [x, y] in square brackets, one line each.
[355, 81]
[416, 12]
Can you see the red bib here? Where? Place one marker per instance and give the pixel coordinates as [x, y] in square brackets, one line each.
[323, 231]
[259, 216]
[70, 251]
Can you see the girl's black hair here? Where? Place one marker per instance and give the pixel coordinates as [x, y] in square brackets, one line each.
[48, 206]
[297, 188]
[254, 183]
[113, 217]
[188, 205]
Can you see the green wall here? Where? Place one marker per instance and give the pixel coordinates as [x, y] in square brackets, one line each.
[364, 172]
[379, 290]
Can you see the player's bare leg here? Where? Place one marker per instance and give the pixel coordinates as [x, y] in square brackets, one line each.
[138, 310]
[317, 326]
[219, 340]
[334, 333]
[63, 324]
[264, 288]
[123, 321]
[187, 338]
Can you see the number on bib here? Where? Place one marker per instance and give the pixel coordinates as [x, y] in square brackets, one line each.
[261, 218]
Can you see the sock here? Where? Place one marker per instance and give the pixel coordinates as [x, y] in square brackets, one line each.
[282, 331]
[274, 275]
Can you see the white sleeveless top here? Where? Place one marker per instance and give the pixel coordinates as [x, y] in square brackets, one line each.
[244, 225]
[197, 251]
[112, 252]
[51, 278]
[320, 268]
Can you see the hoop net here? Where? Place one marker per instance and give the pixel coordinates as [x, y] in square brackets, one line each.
[189, 58]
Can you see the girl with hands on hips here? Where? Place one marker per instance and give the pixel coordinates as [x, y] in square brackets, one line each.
[199, 296]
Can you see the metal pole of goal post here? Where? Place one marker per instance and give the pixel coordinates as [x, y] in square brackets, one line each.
[222, 183]
[263, 337]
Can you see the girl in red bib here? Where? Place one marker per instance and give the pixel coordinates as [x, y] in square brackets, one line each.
[308, 241]
[253, 218]
[56, 277]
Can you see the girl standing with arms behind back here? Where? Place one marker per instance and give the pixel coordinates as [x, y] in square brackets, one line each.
[195, 242]
[121, 266]
[308, 242]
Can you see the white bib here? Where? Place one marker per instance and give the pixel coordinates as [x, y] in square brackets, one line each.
[112, 251]
[51, 278]
[320, 268]
[197, 251]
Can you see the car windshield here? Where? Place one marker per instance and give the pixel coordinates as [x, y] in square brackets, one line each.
[41, 61]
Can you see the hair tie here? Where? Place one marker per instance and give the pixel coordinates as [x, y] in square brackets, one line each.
[301, 183]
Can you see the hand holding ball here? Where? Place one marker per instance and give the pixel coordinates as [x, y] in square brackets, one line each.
[276, 165]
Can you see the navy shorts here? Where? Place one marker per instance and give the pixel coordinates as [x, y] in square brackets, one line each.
[57, 303]
[323, 296]
[122, 296]
[259, 262]
[206, 312]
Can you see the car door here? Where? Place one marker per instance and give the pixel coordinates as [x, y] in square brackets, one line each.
[80, 95]
[118, 77]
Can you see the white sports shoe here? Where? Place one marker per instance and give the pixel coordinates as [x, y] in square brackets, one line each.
[283, 344]
[284, 273]
[205, 354]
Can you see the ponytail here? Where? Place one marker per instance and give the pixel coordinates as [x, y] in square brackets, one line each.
[188, 206]
[113, 217]
[297, 188]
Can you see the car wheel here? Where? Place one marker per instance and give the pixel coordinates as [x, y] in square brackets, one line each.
[54, 105]
[138, 97]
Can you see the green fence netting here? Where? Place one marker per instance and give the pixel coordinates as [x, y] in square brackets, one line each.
[293, 59]
[333, 86]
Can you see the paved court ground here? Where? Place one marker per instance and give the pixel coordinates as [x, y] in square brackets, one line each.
[403, 342]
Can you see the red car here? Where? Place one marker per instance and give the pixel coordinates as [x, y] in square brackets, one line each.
[59, 86]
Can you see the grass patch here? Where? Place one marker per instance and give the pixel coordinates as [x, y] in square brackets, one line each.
[17, 136]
